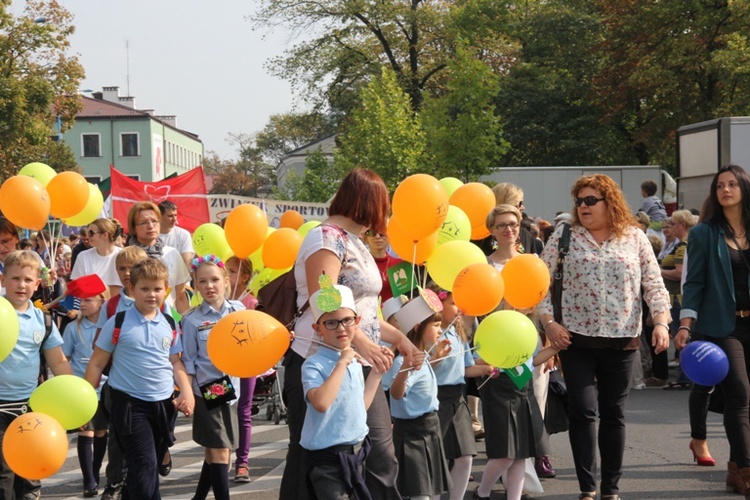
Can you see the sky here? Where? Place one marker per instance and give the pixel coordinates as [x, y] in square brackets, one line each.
[198, 60]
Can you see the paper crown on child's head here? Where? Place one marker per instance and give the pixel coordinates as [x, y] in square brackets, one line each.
[330, 298]
[418, 309]
[392, 306]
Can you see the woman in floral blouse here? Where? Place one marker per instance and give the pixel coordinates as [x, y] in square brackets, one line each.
[609, 265]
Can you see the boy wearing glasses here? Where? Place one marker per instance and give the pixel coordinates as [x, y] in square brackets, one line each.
[334, 433]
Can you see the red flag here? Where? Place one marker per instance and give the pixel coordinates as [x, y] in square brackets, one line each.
[187, 191]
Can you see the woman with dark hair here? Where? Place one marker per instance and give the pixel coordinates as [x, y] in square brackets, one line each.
[8, 239]
[335, 249]
[609, 267]
[716, 305]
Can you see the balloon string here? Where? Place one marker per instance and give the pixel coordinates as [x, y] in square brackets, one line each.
[443, 333]
[459, 353]
[485, 382]
[413, 266]
[236, 281]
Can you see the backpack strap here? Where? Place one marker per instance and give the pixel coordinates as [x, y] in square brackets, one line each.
[42, 360]
[112, 305]
[47, 329]
[119, 319]
[172, 324]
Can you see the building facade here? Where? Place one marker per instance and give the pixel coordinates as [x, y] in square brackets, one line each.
[110, 130]
[295, 161]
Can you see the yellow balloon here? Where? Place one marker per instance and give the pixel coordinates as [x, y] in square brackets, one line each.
[305, 228]
[451, 184]
[451, 258]
[506, 339]
[9, 327]
[209, 239]
[256, 258]
[456, 226]
[90, 212]
[39, 171]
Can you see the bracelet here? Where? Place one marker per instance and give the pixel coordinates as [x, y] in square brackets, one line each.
[685, 327]
[549, 323]
[661, 323]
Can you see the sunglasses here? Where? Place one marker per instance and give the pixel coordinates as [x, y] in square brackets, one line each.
[590, 201]
[371, 234]
[333, 324]
[90, 233]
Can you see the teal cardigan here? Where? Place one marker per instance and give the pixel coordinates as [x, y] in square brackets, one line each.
[708, 292]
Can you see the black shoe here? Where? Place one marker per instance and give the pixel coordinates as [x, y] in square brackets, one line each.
[112, 492]
[165, 469]
[90, 493]
[476, 496]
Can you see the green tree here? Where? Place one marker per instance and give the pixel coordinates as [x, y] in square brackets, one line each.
[38, 84]
[250, 175]
[289, 131]
[383, 134]
[318, 183]
[462, 129]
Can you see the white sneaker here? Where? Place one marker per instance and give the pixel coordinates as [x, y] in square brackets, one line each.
[673, 364]
[639, 387]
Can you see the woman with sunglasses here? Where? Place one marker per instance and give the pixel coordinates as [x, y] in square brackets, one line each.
[100, 258]
[716, 305]
[609, 267]
[378, 245]
[335, 249]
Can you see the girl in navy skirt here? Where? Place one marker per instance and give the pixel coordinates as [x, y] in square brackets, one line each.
[455, 419]
[514, 428]
[423, 470]
[215, 420]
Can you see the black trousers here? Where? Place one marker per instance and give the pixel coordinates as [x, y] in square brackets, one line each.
[700, 396]
[11, 485]
[115, 459]
[381, 467]
[598, 383]
[736, 387]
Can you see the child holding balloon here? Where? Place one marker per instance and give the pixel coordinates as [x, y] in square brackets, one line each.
[417, 438]
[78, 347]
[451, 372]
[19, 371]
[240, 272]
[215, 420]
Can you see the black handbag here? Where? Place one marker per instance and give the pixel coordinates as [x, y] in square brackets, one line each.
[557, 278]
[556, 412]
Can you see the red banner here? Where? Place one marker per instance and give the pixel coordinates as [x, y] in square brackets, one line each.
[187, 191]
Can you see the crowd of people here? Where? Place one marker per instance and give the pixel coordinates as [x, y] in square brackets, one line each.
[386, 404]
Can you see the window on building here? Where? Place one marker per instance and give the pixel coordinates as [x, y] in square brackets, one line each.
[90, 146]
[129, 144]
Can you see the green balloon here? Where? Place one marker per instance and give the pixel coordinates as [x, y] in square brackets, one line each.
[450, 184]
[305, 228]
[210, 239]
[450, 259]
[457, 226]
[68, 399]
[39, 171]
[506, 339]
[8, 328]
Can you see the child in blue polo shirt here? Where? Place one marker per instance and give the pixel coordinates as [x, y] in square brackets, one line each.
[78, 346]
[215, 421]
[423, 470]
[146, 364]
[337, 397]
[19, 372]
[124, 262]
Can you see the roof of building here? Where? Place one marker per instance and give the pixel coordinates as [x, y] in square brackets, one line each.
[100, 108]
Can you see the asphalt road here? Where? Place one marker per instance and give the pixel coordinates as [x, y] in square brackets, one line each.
[658, 463]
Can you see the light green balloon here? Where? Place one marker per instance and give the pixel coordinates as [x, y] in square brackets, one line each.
[210, 239]
[451, 184]
[39, 171]
[451, 258]
[256, 258]
[264, 277]
[506, 339]
[305, 228]
[68, 399]
[457, 226]
[91, 211]
[8, 328]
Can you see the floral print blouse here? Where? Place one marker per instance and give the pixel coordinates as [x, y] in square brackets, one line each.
[602, 283]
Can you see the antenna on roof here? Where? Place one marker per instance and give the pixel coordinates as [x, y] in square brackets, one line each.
[127, 62]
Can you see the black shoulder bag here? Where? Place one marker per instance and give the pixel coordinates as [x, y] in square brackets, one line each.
[557, 283]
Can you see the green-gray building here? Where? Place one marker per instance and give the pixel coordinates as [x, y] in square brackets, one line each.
[109, 130]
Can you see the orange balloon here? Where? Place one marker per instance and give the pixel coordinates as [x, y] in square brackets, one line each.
[245, 229]
[292, 219]
[281, 248]
[35, 445]
[478, 289]
[247, 343]
[25, 202]
[421, 204]
[404, 245]
[476, 200]
[68, 194]
[527, 280]
[479, 232]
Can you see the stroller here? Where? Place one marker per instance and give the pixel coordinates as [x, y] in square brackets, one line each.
[268, 392]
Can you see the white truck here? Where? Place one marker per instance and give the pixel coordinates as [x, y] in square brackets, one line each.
[703, 148]
[547, 189]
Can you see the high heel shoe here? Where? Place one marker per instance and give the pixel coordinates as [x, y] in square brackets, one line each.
[704, 461]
